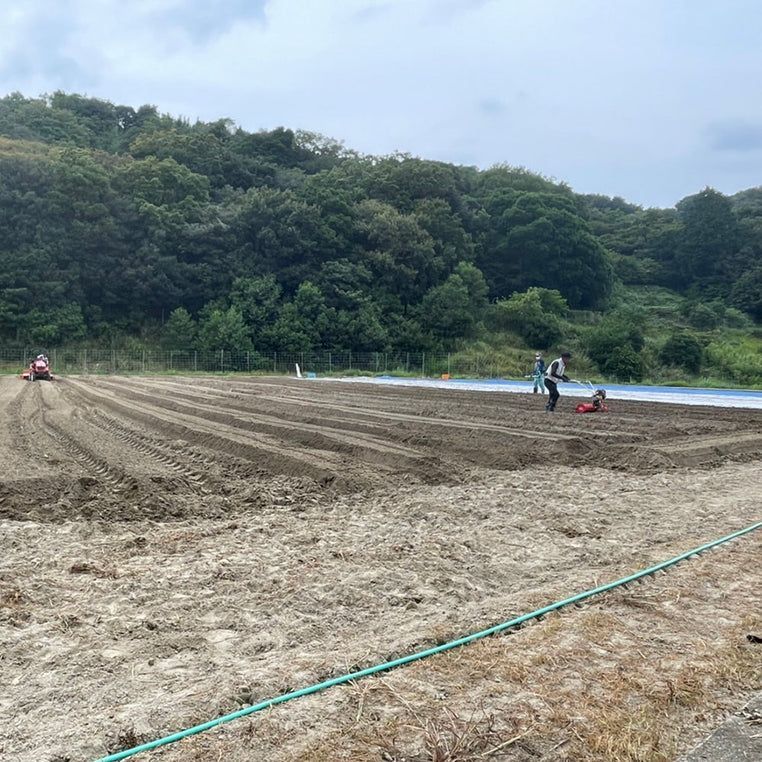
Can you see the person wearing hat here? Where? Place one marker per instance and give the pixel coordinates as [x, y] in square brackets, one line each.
[538, 371]
[554, 375]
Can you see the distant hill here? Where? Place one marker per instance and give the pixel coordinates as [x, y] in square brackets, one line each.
[127, 224]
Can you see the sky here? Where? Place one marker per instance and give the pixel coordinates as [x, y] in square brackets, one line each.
[647, 99]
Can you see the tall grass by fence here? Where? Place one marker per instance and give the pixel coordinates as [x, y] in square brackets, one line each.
[118, 361]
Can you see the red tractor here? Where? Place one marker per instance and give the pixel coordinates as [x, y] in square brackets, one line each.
[38, 370]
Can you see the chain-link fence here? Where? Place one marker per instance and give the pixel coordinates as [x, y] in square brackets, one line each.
[121, 361]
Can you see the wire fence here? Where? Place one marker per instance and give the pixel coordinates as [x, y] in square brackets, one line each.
[121, 361]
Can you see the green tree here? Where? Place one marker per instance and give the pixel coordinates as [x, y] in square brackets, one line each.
[683, 350]
[258, 300]
[618, 331]
[746, 293]
[533, 315]
[624, 364]
[398, 252]
[303, 322]
[56, 327]
[179, 332]
[455, 308]
[541, 240]
[223, 329]
[709, 238]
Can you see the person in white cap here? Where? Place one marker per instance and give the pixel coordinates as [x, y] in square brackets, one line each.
[538, 372]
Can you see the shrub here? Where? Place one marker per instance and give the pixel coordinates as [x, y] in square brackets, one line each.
[683, 350]
[534, 315]
[736, 319]
[704, 317]
[612, 334]
[747, 293]
[624, 364]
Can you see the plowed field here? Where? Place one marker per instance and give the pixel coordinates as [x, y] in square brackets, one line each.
[173, 548]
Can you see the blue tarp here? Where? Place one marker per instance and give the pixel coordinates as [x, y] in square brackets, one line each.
[744, 398]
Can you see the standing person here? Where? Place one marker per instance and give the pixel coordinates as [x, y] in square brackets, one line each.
[555, 374]
[537, 374]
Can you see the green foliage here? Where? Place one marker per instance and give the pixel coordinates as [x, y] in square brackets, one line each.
[61, 325]
[620, 336]
[705, 317]
[179, 332]
[623, 364]
[684, 350]
[223, 329]
[287, 240]
[709, 236]
[746, 294]
[736, 319]
[302, 322]
[533, 315]
[541, 239]
[738, 358]
[258, 300]
[457, 306]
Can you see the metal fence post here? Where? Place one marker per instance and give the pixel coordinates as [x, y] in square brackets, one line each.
[350, 359]
[222, 360]
[275, 362]
[84, 361]
[407, 362]
[330, 363]
[248, 361]
[423, 365]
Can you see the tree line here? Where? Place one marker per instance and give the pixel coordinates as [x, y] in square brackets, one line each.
[118, 222]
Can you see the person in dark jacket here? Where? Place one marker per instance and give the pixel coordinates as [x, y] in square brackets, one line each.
[553, 376]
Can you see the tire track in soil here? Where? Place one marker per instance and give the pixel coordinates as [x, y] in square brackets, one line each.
[698, 450]
[18, 424]
[59, 494]
[266, 454]
[354, 454]
[162, 451]
[337, 433]
[173, 453]
[94, 464]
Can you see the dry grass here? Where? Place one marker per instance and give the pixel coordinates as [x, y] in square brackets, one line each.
[594, 684]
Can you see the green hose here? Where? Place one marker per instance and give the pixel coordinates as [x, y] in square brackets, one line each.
[317, 687]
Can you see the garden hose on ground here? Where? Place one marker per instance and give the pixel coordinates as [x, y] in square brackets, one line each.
[385, 666]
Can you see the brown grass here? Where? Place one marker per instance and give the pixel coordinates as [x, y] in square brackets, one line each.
[633, 677]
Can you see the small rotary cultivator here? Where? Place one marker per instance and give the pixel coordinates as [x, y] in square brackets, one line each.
[597, 403]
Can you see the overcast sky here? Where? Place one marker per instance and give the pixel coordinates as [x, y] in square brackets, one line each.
[647, 99]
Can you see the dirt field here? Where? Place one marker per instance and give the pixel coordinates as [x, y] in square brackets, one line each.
[173, 549]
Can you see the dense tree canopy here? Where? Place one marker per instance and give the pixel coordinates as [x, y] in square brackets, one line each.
[117, 221]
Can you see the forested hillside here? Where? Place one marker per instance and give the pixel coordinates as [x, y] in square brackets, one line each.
[120, 225]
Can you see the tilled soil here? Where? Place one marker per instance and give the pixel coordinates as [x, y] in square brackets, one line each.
[174, 548]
